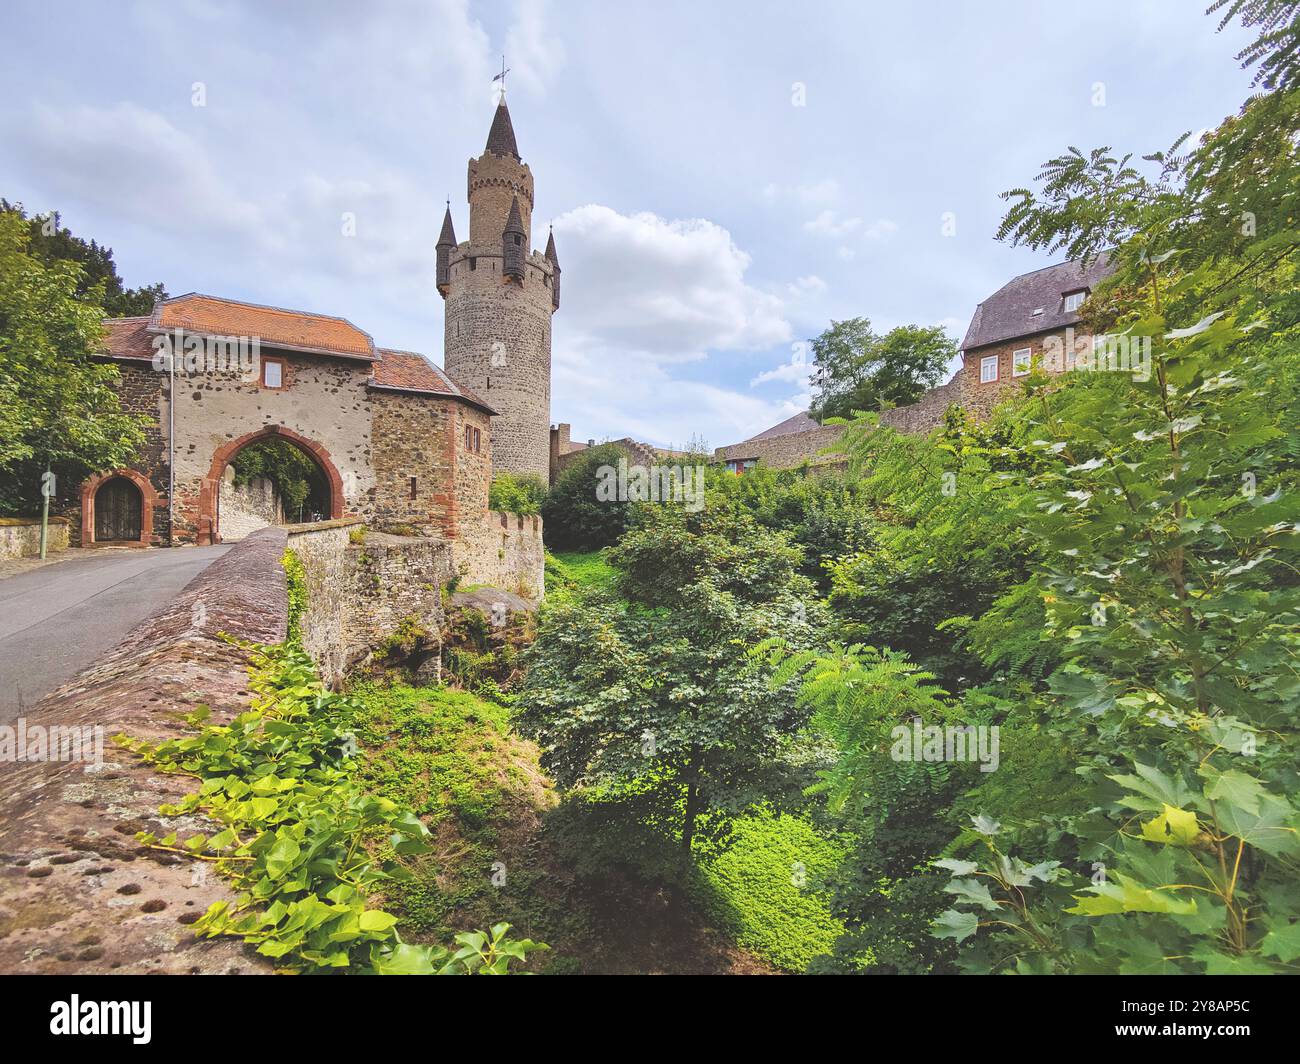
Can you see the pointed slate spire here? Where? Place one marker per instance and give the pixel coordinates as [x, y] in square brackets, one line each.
[554, 260]
[501, 137]
[513, 251]
[446, 243]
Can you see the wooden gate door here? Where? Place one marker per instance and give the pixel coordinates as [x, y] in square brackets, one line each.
[117, 511]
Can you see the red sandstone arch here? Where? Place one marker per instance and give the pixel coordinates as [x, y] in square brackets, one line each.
[148, 500]
[208, 532]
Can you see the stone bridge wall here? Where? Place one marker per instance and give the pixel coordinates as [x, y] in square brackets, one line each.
[78, 894]
[359, 593]
[505, 551]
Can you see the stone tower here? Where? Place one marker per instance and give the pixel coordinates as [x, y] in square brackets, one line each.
[500, 295]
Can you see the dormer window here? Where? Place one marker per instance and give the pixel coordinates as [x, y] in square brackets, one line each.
[1074, 300]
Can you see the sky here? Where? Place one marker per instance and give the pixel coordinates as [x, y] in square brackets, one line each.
[724, 178]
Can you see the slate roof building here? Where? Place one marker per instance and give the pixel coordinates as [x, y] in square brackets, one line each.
[1009, 334]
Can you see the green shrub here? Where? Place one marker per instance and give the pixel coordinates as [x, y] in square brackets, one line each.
[575, 519]
[766, 889]
[517, 493]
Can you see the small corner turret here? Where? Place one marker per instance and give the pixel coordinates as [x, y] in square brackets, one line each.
[446, 245]
[554, 260]
[513, 250]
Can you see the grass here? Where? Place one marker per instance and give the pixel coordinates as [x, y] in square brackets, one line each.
[579, 569]
[763, 889]
[500, 854]
[452, 757]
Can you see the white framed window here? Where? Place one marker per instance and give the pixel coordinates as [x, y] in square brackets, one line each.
[1074, 300]
[1020, 361]
[988, 368]
[272, 373]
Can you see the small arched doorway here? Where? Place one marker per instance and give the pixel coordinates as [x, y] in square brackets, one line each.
[118, 511]
[117, 507]
[328, 498]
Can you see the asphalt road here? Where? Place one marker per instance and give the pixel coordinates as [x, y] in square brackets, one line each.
[56, 619]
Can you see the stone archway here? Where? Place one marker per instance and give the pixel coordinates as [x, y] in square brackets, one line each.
[210, 488]
[148, 500]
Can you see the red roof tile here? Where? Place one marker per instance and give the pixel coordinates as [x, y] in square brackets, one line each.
[128, 338]
[407, 371]
[273, 326]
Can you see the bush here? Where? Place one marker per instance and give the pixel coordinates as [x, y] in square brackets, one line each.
[517, 493]
[575, 519]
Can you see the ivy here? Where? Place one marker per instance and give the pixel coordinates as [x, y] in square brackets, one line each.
[295, 576]
[301, 840]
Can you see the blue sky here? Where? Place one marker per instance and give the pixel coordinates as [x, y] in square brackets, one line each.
[725, 178]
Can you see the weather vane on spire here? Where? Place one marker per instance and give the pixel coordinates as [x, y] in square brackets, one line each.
[502, 78]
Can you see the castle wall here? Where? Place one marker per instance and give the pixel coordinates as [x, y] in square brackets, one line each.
[493, 183]
[323, 399]
[247, 507]
[505, 551]
[497, 342]
[358, 594]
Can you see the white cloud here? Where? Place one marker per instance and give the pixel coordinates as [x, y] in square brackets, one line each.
[803, 286]
[649, 294]
[880, 229]
[673, 289]
[133, 161]
[792, 372]
[829, 223]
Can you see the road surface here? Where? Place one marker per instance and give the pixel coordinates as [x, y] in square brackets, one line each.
[56, 619]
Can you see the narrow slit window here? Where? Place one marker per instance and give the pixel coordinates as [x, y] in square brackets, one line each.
[414, 488]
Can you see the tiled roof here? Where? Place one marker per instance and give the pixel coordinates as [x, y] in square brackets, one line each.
[128, 338]
[1009, 313]
[407, 371]
[273, 326]
[798, 423]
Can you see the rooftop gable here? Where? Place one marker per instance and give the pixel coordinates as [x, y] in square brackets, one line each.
[294, 330]
[409, 371]
[1033, 302]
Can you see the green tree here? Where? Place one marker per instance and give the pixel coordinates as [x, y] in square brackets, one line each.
[1167, 531]
[517, 493]
[50, 242]
[858, 369]
[652, 697]
[58, 408]
[574, 516]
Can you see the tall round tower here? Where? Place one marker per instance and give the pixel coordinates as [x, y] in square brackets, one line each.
[500, 296]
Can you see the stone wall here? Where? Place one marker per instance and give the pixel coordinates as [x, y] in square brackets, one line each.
[927, 412]
[505, 551]
[323, 550]
[78, 894]
[20, 537]
[247, 507]
[359, 593]
[788, 451]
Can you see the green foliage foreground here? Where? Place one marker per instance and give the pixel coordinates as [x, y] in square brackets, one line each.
[301, 839]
